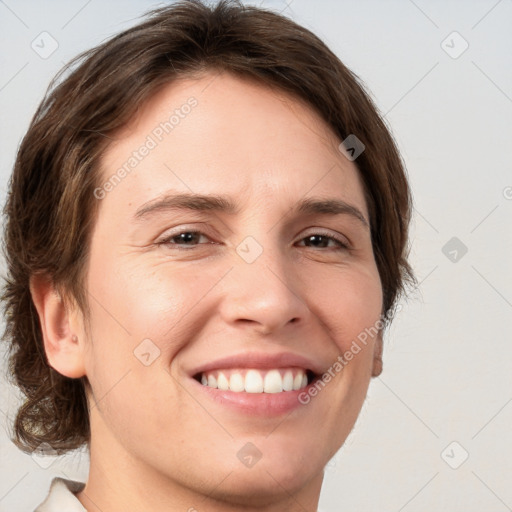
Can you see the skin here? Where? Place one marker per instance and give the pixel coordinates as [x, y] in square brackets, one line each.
[157, 444]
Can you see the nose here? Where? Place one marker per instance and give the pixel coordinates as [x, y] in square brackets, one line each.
[264, 294]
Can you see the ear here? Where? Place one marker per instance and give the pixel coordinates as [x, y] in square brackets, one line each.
[63, 350]
[377, 355]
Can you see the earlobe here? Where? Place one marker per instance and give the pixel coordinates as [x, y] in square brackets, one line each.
[377, 356]
[62, 347]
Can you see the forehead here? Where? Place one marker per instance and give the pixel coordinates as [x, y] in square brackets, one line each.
[226, 135]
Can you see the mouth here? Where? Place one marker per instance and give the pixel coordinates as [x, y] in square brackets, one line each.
[257, 380]
[256, 383]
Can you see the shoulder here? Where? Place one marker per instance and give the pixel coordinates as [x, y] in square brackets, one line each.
[61, 497]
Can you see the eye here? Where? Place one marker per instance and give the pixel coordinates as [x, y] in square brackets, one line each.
[188, 238]
[324, 238]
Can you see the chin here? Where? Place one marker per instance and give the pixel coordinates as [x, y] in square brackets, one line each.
[281, 469]
[263, 485]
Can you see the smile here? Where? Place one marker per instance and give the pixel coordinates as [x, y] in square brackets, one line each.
[252, 380]
[256, 383]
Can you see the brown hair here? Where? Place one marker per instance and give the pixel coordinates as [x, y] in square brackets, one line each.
[51, 205]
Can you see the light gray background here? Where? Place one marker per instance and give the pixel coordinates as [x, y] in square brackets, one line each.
[447, 363]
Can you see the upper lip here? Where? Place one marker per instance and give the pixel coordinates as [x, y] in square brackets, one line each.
[259, 360]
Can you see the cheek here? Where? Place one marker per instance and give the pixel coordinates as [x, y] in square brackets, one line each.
[146, 308]
[164, 301]
[348, 302]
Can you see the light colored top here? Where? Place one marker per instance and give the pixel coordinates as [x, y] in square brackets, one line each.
[61, 497]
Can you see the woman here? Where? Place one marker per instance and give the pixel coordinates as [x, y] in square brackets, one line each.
[206, 236]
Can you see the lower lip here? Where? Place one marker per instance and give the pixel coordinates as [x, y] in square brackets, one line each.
[261, 404]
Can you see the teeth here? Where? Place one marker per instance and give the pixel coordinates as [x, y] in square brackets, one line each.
[253, 382]
[236, 382]
[288, 381]
[273, 382]
[222, 382]
[212, 381]
[256, 381]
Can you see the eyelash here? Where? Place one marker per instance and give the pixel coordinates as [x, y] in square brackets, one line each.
[167, 241]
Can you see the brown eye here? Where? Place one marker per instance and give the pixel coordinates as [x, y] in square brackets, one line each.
[183, 238]
[321, 241]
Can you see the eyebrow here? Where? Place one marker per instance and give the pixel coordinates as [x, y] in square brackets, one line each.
[224, 204]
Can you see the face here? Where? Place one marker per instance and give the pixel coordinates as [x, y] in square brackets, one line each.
[203, 310]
